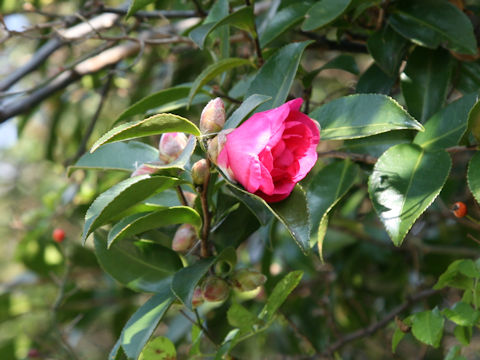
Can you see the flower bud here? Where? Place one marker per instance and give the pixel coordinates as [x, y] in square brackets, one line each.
[215, 145]
[184, 238]
[200, 172]
[247, 280]
[142, 170]
[215, 289]
[190, 197]
[213, 117]
[171, 146]
[197, 298]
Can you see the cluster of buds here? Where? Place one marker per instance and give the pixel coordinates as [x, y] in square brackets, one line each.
[215, 288]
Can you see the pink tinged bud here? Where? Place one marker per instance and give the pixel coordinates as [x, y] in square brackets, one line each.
[197, 298]
[213, 117]
[142, 170]
[184, 238]
[215, 145]
[247, 280]
[171, 146]
[190, 197]
[215, 289]
[200, 172]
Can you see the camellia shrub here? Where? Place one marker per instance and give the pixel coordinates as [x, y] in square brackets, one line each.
[303, 185]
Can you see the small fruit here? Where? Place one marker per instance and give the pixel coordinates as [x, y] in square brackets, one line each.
[459, 209]
[197, 298]
[215, 289]
[247, 280]
[33, 354]
[58, 235]
[184, 238]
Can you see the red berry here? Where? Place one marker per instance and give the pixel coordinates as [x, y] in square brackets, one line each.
[459, 209]
[58, 235]
[33, 353]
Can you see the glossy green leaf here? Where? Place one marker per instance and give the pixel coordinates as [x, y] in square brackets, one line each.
[283, 20]
[141, 222]
[124, 156]
[341, 62]
[292, 212]
[276, 76]
[214, 70]
[376, 145]
[328, 186]
[423, 22]
[462, 314]
[116, 353]
[474, 121]
[375, 81]
[122, 196]
[446, 128]
[473, 176]
[143, 265]
[242, 18]
[185, 280]
[136, 5]
[257, 207]
[324, 12]
[238, 316]
[464, 335]
[398, 335]
[245, 110]
[280, 293]
[141, 325]
[455, 353]
[425, 81]
[468, 77]
[387, 48]
[165, 100]
[427, 326]
[362, 115]
[404, 182]
[459, 275]
[160, 348]
[154, 125]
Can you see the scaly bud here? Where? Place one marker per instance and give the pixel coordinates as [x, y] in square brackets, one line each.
[142, 170]
[171, 146]
[197, 298]
[184, 238]
[247, 280]
[200, 171]
[215, 289]
[213, 117]
[215, 145]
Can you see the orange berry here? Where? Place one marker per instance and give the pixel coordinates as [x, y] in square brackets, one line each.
[459, 209]
[58, 235]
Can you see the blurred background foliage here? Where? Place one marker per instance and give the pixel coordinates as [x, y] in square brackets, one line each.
[56, 302]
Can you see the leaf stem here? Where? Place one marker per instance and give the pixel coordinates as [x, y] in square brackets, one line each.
[204, 251]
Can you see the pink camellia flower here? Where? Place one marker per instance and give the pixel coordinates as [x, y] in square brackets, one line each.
[271, 151]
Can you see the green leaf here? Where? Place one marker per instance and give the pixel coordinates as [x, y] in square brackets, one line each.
[283, 20]
[292, 212]
[404, 182]
[242, 18]
[154, 125]
[425, 81]
[116, 353]
[143, 322]
[276, 76]
[137, 5]
[141, 222]
[245, 110]
[398, 335]
[280, 293]
[361, 115]
[375, 81]
[446, 128]
[473, 176]
[143, 266]
[180, 162]
[238, 316]
[455, 353]
[164, 100]
[124, 156]
[462, 314]
[424, 23]
[214, 70]
[160, 348]
[468, 78]
[262, 213]
[459, 275]
[387, 48]
[323, 12]
[328, 186]
[474, 121]
[122, 196]
[464, 336]
[342, 62]
[428, 327]
[185, 280]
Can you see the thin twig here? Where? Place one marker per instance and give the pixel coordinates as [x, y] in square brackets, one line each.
[199, 324]
[204, 250]
[181, 196]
